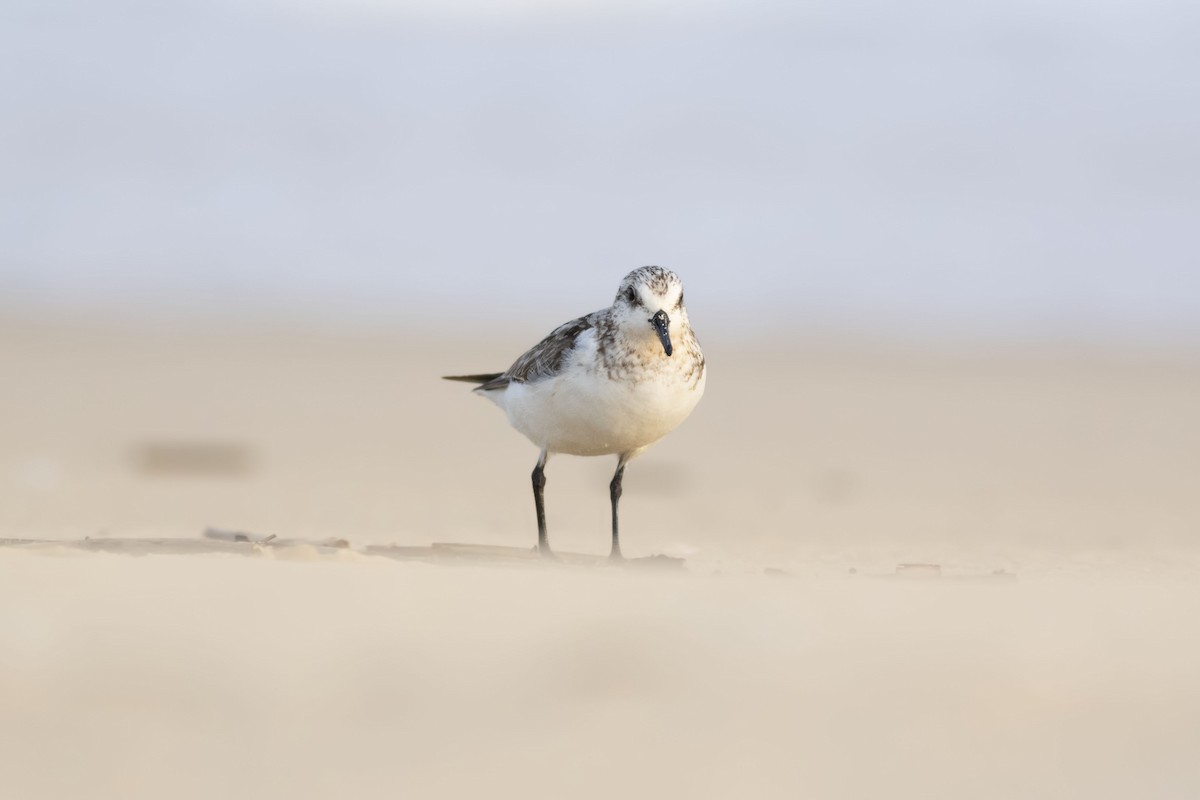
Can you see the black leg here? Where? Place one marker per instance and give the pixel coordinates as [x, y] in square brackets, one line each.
[539, 483]
[614, 492]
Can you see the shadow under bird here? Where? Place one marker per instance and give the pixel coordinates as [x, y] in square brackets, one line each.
[611, 383]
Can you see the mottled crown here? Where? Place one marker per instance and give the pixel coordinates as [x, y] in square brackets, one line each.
[658, 280]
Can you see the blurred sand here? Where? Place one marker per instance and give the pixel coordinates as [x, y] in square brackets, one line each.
[317, 676]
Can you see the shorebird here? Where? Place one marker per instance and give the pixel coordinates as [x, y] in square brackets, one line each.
[613, 382]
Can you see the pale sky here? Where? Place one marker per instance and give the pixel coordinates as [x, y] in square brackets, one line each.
[994, 168]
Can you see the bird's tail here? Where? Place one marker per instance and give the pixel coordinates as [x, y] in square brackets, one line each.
[486, 378]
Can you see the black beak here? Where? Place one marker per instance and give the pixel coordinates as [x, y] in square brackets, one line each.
[662, 326]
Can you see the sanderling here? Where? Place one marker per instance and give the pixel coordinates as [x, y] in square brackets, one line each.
[611, 383]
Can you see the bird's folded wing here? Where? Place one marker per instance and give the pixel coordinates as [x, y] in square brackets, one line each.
[547, 357]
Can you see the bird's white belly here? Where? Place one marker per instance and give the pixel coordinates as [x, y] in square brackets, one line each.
[590, 415]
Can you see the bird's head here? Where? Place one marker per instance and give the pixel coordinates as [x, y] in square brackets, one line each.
[649, 301]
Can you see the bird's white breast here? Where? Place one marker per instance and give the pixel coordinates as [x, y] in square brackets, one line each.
[587, 410]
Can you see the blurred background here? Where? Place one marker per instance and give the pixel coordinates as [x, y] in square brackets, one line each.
[943, 257]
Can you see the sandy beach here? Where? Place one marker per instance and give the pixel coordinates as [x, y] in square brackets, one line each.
[1054, 653]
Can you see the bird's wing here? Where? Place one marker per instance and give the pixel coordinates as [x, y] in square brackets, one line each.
[546, 358]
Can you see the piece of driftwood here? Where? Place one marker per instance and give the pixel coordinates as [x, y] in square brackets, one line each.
[235, 536]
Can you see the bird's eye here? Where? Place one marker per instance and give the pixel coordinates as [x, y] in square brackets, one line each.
[631, 295]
